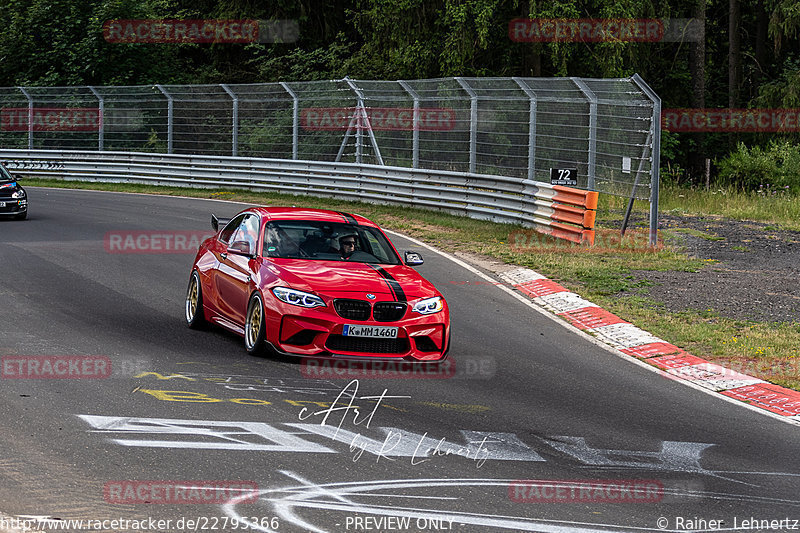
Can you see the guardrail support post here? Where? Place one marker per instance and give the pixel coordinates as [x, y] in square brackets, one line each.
[473, 124]
[589, 94]
[169, 116]
[30, 116]
[415, 133]
[531, 126]
[295, 119]
[101, 103]
[235, 112]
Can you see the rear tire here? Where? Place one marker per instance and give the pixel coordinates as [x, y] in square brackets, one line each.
[255, 327]
[194, 313]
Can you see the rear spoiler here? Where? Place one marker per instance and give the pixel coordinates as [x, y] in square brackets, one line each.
[216, 223]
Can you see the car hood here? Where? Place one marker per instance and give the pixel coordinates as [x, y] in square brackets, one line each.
[7, 188]
[335, 278]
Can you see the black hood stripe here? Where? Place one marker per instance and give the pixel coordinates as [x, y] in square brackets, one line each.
[393, 284]
[350, 219]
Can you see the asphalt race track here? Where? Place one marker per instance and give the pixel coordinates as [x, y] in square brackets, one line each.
[526, 400]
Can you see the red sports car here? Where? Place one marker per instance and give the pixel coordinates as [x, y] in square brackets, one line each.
[310, 282]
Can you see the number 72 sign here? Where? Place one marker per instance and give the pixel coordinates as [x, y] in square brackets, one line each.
[564, 176]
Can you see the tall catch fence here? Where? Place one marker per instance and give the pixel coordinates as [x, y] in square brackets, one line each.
[607, 130]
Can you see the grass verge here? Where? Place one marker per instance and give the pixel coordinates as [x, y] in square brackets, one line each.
[770, 351]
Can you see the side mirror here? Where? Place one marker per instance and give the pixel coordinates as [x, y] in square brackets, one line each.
[241, 248]
[217, 222]
[413, 259]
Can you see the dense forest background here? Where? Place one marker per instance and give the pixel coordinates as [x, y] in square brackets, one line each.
[750, 56]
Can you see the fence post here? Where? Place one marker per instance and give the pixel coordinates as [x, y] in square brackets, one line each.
[295, 117]
[415, 133]
[531, 126]
[655, 165]
[589, 94]
[235, 110]
[101, 102]
[473, 124]
[30, 116]
[169, 116]
[362, 110]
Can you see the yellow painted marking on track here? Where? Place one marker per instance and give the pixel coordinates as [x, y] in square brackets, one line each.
[462, 408]
[181, 396]
[159, 376]
[299, 403]
[199, 397]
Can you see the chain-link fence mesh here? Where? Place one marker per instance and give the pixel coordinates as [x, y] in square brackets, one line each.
[606, 129]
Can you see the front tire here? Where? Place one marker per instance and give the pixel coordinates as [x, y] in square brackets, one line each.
[21, 216]
[194, 314]
[255, 327]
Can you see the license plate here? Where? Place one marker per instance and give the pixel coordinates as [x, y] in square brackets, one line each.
[2, 204]
[375, 332]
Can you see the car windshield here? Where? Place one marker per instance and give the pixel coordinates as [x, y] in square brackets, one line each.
[327, 241]
[5, 175]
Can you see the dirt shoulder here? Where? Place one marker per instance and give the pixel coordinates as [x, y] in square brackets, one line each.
[753, 272]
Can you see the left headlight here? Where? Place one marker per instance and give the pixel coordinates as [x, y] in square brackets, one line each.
[299, 298]
[18, 194]
[429, 306]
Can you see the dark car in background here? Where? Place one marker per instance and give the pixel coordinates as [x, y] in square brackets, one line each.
[13, 198]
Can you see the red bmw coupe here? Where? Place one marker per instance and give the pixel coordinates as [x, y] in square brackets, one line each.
[310, 282]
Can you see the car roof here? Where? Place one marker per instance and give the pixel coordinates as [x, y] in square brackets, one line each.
[305, 213]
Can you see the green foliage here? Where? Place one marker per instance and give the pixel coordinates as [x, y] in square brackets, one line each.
[60, 42]
[770, 170]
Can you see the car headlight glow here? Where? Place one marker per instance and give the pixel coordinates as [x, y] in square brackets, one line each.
[18, 194]
[299, 298]
[429, 306]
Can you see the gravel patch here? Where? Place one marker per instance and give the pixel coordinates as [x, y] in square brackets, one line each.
[755, 275]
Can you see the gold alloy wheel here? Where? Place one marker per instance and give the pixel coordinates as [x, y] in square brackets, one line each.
[254, 323]
[191, 300]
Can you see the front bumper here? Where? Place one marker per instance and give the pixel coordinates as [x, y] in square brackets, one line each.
[12, 206]
[318, 333]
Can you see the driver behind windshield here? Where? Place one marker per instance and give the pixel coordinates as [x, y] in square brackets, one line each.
[347, 245]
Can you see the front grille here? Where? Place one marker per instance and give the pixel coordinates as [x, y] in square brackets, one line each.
[302, 338]
[425, 344]
[366, 345]
[352, 309]
[389, 311]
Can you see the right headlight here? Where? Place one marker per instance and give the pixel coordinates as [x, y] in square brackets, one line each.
[298, 298]
[18, 194]
[429, 306]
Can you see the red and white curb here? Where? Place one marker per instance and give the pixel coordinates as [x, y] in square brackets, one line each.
[674, 362]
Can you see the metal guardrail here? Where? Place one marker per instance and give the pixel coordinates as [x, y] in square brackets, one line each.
[480, 196]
